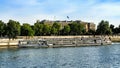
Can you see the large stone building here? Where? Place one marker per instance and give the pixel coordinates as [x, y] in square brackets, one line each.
[87, 25]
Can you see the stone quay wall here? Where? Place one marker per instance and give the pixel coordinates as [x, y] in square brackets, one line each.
[115, 38]
[60, 40]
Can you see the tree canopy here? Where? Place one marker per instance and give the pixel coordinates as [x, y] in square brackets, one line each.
[66, 30]
[13, 29]
[76, 28]
[55, 28]
[103, 28]
[38, 28]
[26, 30]
[46, 29]
[2, 28]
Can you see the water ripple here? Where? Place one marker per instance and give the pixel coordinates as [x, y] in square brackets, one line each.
[76, 57]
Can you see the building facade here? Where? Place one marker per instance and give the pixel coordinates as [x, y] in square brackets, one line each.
[88, 25]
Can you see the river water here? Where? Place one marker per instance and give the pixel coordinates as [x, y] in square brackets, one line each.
[70, 57]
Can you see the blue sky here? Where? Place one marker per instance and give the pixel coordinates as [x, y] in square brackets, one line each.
[28, 11]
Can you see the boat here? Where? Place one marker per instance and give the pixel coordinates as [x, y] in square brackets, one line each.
[32, 43]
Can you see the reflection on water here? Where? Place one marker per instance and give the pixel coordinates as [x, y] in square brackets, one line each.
[71, 57]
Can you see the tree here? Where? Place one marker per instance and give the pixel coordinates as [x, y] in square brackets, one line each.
[26, 30]
[76, 28]
[55, 29]
[103, 28]
[117, 30]
[91, 32]
[38, 28]
[66, 30]
[112, 28]
[13, 29]
[2, 28]
[46, 30]
[81, 29]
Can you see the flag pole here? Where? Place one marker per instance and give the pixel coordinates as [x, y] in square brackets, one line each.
[67, 18]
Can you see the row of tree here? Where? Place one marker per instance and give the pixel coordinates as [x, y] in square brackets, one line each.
[104, 28]
[13, 29]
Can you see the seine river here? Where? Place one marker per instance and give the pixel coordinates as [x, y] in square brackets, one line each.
[70, 57]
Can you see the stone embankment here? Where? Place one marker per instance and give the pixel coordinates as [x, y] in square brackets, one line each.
[115, 38]
[83, 40]
[6, 43]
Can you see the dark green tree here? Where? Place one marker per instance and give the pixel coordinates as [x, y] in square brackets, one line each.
[91, 32]
[103, 28]
[38, 28]
[66, 30]
[2, 28]
[74, 28]
[77, 28]
[13, 29]
[112, 28]
[55, 29]
[26, 30]
[46, 30]
[81, 29]
[117, 30]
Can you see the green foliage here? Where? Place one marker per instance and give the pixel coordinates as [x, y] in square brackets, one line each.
[117, 30]
[26, 30]
[46, 30]
[103, 28]
[55, 29]
[13, 29]
[76, 28]
[38, 28]
[81, 29]
[57, 26]
[66, 30]
[112, 28]
[91, 32]
[2, 28]
[73, 27]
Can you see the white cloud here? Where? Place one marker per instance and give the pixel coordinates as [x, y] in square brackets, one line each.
[106, 9]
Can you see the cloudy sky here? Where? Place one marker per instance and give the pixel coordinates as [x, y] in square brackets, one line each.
[28, 11]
